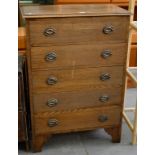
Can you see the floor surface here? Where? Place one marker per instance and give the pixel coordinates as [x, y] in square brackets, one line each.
[96, 142]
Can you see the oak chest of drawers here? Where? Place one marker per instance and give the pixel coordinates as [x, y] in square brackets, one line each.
[76, 63]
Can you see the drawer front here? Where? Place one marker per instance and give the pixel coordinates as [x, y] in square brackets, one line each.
[75, 55]
[77, 99]
[77, 120]
[77, 79]
[78, 30]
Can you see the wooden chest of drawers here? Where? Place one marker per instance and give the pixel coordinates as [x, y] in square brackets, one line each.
[76, 61]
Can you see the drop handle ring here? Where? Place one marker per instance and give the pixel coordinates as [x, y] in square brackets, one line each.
[53, 122]
[49, 32]
[105, 76]
[103, 118]
[51, 56]
[52, 102]
[104, 98]
[108, 29]
[105, 54]
[52, 80]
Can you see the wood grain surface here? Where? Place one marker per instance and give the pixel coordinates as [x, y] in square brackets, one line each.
[77, 99]
[79, 30]
[72, 10]
[76, 79]
[77, 119]
[88, 55]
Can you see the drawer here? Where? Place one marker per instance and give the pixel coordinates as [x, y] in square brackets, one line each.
[98, 54]
[77, 99]
[78, 30]
[76, 120]
[77, 79]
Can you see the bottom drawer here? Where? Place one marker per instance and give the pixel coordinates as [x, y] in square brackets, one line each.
[77, 120]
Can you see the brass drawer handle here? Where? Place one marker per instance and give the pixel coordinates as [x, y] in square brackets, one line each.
[103, 118]
[105, 54]
[49, 32]
[52, 80]
[52, 122]
[108, 29]
[51, 56]
[104, 98]
[52, 102]
[105, 77]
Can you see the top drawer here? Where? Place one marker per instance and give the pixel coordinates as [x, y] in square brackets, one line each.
[59, 31]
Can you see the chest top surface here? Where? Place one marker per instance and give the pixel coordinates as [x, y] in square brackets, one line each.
[72, 10]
